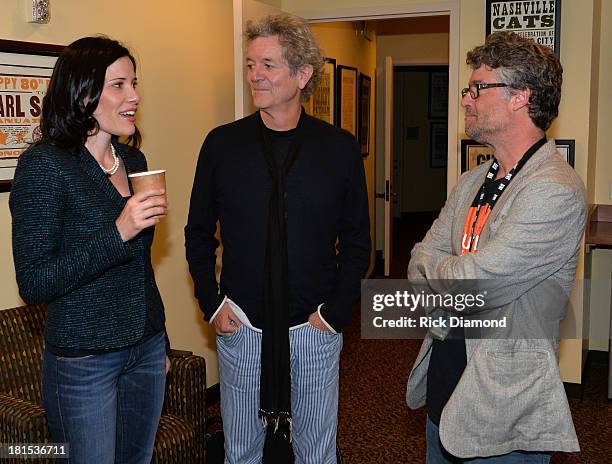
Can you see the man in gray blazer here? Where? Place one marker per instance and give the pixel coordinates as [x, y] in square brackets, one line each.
[514, 225]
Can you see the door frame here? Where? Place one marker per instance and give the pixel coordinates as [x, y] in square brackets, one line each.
[449, 8]
[389, 195]
[242, 99]
[416, 67]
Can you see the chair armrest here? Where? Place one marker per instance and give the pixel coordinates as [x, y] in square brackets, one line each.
[179, 353]
[186, 389]
[22, 421]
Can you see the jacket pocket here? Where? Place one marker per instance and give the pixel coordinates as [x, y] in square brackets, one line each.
[520, 381]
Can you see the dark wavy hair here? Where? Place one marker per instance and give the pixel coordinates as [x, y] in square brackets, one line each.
[299, 45]
[523, 64]
[74, 92]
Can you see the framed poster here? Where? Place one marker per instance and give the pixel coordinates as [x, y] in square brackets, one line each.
[25, 71]
[438, 144]
[347, 99]
[474, 153]
[567, 149]
[538, 20]
[322, 103]
[438, 94]
[365, 97]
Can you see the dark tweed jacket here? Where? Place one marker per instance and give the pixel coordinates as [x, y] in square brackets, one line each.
[68, 252]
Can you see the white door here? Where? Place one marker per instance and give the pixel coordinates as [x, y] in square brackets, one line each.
[388, 121]
[245, 10]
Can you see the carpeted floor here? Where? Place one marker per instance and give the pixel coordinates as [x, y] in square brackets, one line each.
[376, 426]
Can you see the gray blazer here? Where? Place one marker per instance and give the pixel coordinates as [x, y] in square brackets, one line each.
[510, 396]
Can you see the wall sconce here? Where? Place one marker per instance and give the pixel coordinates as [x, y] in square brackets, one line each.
[38, 11]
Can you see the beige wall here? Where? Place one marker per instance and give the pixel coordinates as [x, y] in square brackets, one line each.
[338, 40]
[405, 49]
[274, 3]
[593, 103]
[413, 49]
[603, 175]
[186, 87]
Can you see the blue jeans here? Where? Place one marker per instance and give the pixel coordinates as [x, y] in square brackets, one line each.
[107, 406]
[436, 454]
[315, 359]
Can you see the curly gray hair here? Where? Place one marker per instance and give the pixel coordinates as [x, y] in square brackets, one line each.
[297, 40]
[523, 64]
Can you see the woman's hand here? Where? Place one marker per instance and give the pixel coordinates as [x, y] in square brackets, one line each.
[144, 209]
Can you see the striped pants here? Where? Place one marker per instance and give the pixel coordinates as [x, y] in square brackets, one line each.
[314, 394]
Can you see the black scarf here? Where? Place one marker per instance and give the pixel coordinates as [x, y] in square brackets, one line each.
[275, 391]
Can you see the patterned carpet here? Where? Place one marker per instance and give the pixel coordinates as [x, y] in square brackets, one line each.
[376, 426]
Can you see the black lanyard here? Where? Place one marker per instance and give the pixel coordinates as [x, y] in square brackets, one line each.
[494, 169]
[484, 201]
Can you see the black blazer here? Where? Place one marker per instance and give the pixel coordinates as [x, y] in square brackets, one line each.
[326, 200]
[68, 252]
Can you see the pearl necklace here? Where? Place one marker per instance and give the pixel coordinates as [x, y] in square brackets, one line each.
[113, 169]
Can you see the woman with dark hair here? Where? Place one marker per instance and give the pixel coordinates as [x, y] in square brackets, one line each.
[81, 245]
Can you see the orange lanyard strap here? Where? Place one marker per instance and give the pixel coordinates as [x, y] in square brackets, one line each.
[487, 197]
[481, 207]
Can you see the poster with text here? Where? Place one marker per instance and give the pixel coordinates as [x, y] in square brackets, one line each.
[323, 106]
[24, 80]
[538, 20]
[347, 98]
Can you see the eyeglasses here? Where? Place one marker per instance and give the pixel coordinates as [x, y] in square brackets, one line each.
[474, 89]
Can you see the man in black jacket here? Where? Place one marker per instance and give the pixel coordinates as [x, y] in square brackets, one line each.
[289, 193]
